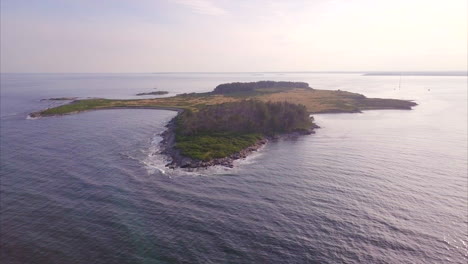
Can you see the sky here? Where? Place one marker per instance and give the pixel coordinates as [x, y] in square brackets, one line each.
[232, 36]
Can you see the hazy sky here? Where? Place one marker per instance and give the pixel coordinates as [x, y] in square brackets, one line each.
[237, 35]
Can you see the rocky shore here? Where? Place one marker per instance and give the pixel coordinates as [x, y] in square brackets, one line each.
[167, 146]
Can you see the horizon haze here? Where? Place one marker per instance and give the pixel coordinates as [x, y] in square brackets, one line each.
[232, 36]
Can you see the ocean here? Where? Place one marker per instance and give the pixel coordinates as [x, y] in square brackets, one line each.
[382, 186]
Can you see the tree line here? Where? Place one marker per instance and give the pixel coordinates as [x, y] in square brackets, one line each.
[249, 116]
[237, 87]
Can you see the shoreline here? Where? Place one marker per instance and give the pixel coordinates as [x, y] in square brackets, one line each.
[167, 145]
[38, 114]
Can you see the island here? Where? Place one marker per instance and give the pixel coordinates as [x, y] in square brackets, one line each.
[235, 119]
[153, 93]
[219, 134]
[60, 99]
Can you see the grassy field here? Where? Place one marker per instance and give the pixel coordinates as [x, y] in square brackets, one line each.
[316, 101]
[176, 102]
[214, 145]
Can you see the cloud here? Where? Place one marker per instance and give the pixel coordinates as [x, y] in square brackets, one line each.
[202, 7]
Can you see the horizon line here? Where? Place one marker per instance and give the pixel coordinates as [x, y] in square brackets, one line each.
[208, 72]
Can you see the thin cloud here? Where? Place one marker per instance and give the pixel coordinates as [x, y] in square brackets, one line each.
[203, 7]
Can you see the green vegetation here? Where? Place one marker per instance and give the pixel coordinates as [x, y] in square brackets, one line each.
[248, 116]
[60, 99]
[76, 106]
[153, 93]
[221, 130]
[209, 146]
[251, 88]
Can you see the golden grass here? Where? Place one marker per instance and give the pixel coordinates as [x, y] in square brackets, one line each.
[316, 101]
[183, 102]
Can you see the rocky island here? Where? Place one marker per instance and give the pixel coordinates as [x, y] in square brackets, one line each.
[219, 134]
[217, 127]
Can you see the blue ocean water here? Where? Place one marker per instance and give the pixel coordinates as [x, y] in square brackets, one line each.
[383, 186]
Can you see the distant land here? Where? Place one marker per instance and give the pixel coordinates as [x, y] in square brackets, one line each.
[153, 93]
[60, 99]
[217, 127]
[365, 73]
[418, 73]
